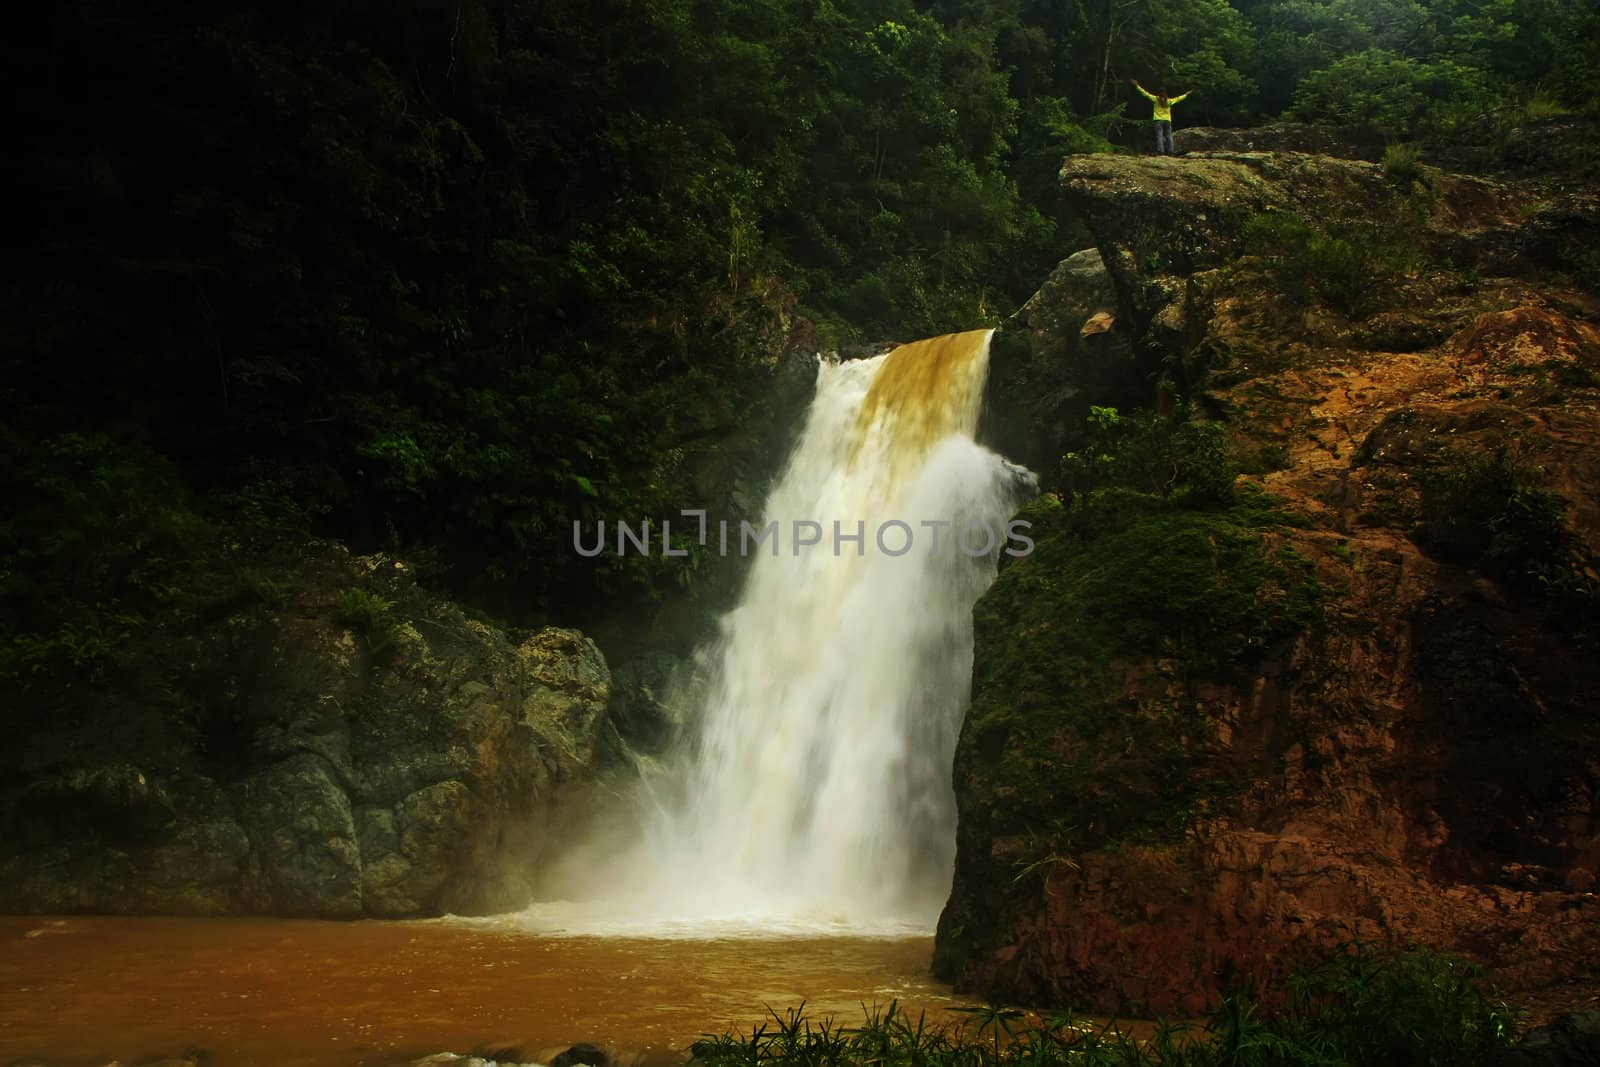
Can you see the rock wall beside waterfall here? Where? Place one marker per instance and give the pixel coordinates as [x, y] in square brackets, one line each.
[321, 738]
[1360, 701]
[1061, 350]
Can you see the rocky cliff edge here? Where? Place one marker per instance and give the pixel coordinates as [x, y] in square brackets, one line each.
[1352, 695]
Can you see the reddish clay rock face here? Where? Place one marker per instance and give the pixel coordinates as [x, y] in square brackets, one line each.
[1520, 339]
[1419, 765]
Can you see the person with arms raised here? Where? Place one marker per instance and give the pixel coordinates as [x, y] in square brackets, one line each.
[1162, 103]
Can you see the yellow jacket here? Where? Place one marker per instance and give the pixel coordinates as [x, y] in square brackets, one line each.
[1163, 111]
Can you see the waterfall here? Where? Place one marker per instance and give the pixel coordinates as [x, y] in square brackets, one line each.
[814, 792]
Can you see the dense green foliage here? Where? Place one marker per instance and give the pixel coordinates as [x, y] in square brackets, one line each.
[447, 278]
[1163, 455]
[95, 541]
[1415, 1008]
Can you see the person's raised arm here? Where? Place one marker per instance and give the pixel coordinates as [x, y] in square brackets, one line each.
[1146, 93]
[1185, 96]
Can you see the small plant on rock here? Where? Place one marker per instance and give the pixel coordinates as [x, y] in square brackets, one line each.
[1402, 165]
[367, 614]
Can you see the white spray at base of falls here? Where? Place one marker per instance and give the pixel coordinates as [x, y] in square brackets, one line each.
[815, 791]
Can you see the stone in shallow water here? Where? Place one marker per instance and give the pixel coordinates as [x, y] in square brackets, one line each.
[452, 1059]
[582, 1053]
[1570, 1041]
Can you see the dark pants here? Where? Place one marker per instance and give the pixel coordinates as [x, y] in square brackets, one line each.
[1164, 137]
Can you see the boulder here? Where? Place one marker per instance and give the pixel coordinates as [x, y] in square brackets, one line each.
[391, 761]
[1062, 346]
[304, 837]
[582, 1055]
[1573, 1040]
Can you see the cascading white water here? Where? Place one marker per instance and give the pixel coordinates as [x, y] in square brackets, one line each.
[815, 791]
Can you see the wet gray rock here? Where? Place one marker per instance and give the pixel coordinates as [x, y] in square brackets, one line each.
[650, 700]
[1079, 288]
[317, 769]
[300, 823]
[582, 1054]
[568, 688]
[195, 870]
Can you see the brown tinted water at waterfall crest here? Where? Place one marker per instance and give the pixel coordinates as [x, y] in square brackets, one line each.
[253, 992]
[930, 388]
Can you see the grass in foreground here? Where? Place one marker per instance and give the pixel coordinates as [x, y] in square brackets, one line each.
[1413, 1008]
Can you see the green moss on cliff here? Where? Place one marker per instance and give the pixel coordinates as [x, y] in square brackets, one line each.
[1125, 578]
[1127, 573]
[1087, 729]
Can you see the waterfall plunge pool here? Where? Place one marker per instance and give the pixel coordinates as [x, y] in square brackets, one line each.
[286, 992]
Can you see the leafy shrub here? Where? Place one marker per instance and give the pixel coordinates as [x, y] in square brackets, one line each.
[223, 593]
[1392, 92]
[1170, 456]
[257, 587]
[1541, 103]
[1415, 1008]
[96, 540]
[1412, 1007]
[270, 496]
[1205, 461]
[1117, 450]
[1493, 510]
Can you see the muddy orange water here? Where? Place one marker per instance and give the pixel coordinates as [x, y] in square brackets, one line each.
[287, 992]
